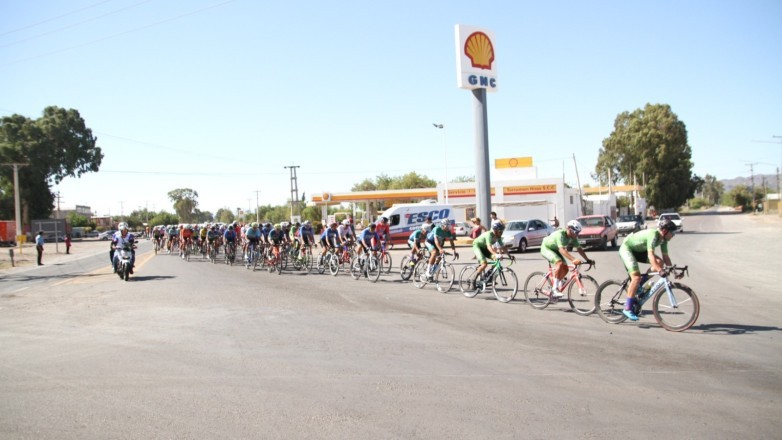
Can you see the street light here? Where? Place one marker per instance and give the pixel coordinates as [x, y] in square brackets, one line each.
[445, 161]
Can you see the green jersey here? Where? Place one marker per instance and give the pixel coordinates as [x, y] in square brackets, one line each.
[644, 241]
[559, 239]
[486, 240]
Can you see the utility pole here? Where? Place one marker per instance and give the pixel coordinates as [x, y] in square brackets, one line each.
[17, 204]
[257, 210]
[752, 185]
[294, 187]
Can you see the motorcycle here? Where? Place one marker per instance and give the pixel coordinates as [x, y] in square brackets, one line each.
[122, 261]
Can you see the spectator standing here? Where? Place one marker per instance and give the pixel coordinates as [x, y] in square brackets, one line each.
[39, 246]
[67, 243]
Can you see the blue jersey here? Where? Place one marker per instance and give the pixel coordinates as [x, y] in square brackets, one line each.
[229, 235]
[253, 233]
[306, 233]
[367, 236]
[265, 231]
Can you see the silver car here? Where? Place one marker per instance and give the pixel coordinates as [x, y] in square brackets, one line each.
[522, 234]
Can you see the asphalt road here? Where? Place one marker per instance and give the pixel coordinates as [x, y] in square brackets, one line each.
[196, 350]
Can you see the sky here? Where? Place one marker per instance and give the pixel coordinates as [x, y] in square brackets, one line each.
[220, 95]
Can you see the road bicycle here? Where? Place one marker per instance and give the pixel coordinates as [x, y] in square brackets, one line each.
[253, 255]
[274, 259]
[443, 274]
[409, 262]
[385, 258]
[340, 258]
[674, 305]
[366, 264]
[212, 253]
[230, 253]
[580, 289]
[303, 258]
[500, 278]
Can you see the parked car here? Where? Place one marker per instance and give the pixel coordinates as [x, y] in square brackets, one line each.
[597, 231]
[675, 218]
[523, 234]
[462, 228]
[106, 235]
[627, 224]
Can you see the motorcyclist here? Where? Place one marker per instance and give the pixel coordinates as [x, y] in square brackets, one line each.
[121, 239]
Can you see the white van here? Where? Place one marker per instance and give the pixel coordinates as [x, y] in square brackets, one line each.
[405, 218]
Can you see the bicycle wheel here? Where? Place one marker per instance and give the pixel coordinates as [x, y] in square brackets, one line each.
[678, 310]
[466, 286]
[256, 256]
[582, 301]
[309, 260]
[356, 268]
[406, 268]
[537, 290]
[374, 268]
[444, 278]
[280, 261]
[610, 301]
[419, 275]
[505, 285]
[334, 264]
[321, 264]
[385, 263]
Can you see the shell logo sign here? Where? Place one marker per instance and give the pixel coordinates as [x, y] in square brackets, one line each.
[475, 56]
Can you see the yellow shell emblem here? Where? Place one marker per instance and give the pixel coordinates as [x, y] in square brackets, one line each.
[479, 50]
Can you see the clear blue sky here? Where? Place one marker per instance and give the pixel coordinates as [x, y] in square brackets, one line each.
[219, 96]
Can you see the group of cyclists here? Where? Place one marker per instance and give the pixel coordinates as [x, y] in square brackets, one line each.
[430, 239]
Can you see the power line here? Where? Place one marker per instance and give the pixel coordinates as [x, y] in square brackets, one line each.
[54, 31]
[177, 17]
[54, 18]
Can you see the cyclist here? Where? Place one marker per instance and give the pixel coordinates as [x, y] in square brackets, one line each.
[435, 240]
[417, 242]
[186, 235]
[368, 240]
[345, 232]
[157, 234]
[253, 235]
[554, 249]
[487, 246]
[286, 232]
[638, 247]
[201, 238]
[383, 229]
[306, 235]
[229, 237]
[329, 238]
[274, 238]
[212, 238]
[173, 237]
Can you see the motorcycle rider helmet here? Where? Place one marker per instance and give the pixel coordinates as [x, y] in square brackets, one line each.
[574, 226]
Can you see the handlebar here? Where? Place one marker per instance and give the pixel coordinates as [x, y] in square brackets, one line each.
[678, 271]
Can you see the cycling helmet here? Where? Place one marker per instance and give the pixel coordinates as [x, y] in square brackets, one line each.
[230, 227]
[333, 224]
[277, 226]
[307, 223]
[122, 226]
[384, 219]
[426, 227]
[666, 225]
[372, 226]
[254, 225]
[346, 222]
[285, 224]
[297, 224]
[445, 222]
[575, 226]
[498, 226]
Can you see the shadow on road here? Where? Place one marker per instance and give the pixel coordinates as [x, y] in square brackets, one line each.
[150, 278]
[733, 329]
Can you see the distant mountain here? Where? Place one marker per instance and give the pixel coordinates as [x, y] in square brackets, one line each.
[770, 180]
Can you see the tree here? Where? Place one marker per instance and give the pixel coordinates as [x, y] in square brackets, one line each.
[712, 189]
[224, 215]
[185, 202]
[650, 144]
[78, 220]
[164, 218]
[55, 146]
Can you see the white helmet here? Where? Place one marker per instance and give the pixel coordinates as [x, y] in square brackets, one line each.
[346, 222]
[575, 226]
[122, 226]
[426, 227]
